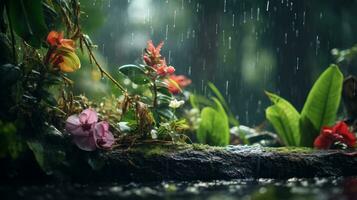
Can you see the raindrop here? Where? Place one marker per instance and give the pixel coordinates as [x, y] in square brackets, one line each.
[223, 38]
[227, 86]
[167, 31]
[297, 63]
[229, 42]
[317, 44]
[132, 40]
[303, 18]
[244, 17]
[258, 13]
[189, 71]
[267, 7]
[251, 14]
[224, 6]
[175, 12]
[169, 56]
[286, 38]
[233, 20]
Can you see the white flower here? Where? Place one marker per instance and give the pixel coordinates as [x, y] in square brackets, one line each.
[176, 104]
[153, 133]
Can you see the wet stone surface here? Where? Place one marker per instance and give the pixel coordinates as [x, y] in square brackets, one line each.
[254, 189]
[185, 163]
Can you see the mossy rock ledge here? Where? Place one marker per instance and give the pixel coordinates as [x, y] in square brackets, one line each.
[199, 162]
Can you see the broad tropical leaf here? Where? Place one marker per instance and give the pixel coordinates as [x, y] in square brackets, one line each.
[135, 73]
[322, 102]
[214, 126]
[285, 120]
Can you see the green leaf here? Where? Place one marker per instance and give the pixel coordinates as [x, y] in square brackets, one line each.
[308, 132]
[285, 120]
[28, 21]
[48, 157]
[9, 74]
[6, 51]
[232, 119]
[214, 126]
[322, 102]
[135, 73]
[165, 112]
[10, 143]
[163, 99]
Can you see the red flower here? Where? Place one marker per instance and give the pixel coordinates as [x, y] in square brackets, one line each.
[337, 133]
[163, 69]
[152, 56]
[177, 82]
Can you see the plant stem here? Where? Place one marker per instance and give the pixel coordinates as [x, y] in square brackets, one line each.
[155, 94]
[102, 71]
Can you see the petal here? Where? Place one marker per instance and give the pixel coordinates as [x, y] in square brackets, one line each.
[103, 137]
[73, 126]
[101, 129]
[170, 70]
[68, 43]
[86, 143]
[150, 46]
[323, 142]
[88, 116]
[53, 38]
[70, 62]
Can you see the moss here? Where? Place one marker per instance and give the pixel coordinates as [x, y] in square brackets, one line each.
[290, 149]
[204, 147]
[153, 149]
[156, 149]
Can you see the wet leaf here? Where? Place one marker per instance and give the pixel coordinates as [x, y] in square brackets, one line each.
[28, 20]
[9, 74]
[135, 73]
[10, 143]
[285, 120]
[6, 51]
[214, 126]
[323, 100]
[48, 157]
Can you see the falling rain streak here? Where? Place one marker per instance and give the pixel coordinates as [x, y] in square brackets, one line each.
[243, 47]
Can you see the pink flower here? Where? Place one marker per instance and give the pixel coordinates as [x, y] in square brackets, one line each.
[337, 133]
[103, 137]
[87, 133]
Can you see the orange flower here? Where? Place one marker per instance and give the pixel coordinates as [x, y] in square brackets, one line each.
[55, 39]
[62, 52]
[177, 82]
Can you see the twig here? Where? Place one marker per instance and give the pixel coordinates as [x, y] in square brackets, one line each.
[102, 71]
